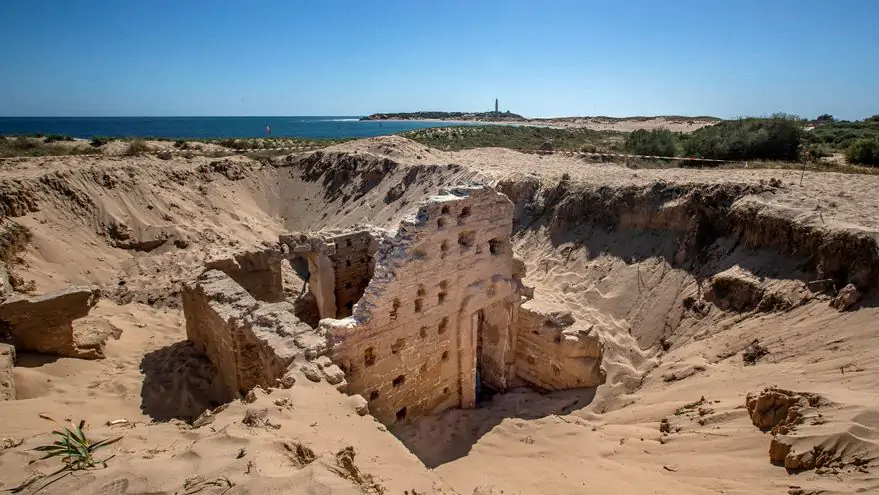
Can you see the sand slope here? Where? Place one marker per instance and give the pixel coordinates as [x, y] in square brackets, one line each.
[616, 246]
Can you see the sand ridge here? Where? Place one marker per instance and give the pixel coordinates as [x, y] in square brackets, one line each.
[662, 355]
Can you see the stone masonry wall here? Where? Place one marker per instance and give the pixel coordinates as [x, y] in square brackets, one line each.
[7, 375]
[353, 266]
[258, 270]
[252, 343]
[340, 265]
[410, 346]
[45, 323]
[553, 352]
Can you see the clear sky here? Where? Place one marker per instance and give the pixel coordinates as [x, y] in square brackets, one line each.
[540, 58]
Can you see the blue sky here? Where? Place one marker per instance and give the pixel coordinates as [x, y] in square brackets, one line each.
[541, 58]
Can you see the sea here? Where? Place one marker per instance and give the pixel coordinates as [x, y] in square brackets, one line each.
[211, 127]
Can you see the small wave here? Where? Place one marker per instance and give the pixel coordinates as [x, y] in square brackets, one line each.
[340, 120]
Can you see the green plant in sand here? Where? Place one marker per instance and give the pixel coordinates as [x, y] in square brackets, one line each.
[75, 449]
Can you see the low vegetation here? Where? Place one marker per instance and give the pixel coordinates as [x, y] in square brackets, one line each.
[35, 146]
[776, 138]
[243, 144]
[525, 138]
[864, 152]
[657, 142]
[137, 147]
[76, 451]
[773, 141]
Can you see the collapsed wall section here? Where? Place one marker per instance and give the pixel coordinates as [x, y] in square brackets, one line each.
[257, 270]
[45, 323]
[410, 346]
[555, 352]
[252, 343]
[338, 265]
[7, 375]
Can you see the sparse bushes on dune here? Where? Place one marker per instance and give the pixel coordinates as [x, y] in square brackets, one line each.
[31, 146]
[137, 147]
[840, 136]
[864, 152]
[656, 142]
[775, 138]
[52, 138]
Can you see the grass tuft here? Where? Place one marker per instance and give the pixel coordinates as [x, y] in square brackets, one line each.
[75, 449]
[137, 147]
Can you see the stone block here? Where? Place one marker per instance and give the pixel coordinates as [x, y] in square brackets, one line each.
[7, 376]
[44, 323]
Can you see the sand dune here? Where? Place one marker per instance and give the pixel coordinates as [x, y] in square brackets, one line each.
[678, 271]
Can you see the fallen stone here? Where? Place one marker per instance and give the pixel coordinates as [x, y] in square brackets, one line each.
[45, 323]
[5, 285]
[7, 379]
[323, 362]
[205, 418]
[779, 410]
[287, 381]
[164, 155]
[311, 371]
[334, 374]
[359, 404]
[846, 298]
[255, 416]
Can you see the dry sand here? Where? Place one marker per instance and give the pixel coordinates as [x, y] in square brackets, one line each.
[660, 355]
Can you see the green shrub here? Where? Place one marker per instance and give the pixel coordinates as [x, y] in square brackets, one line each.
[775, 138]
[864, 152]
[656, 142]
[99, 141]
[51, 138]
[137, 147]
[815, 152]
[181, 144]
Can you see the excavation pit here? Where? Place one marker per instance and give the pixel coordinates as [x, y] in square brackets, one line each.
[412, 327]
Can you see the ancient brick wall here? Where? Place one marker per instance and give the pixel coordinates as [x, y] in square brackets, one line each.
[250, 342]
[553, 351]
[340, 266]
[7, 374]
[257, 270]
[353, 266]
[410, 346]
[45, 323]
[210, 320]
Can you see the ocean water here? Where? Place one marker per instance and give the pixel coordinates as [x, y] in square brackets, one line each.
[209, 127]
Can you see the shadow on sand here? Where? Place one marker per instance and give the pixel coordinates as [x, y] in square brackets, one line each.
[179, 383]
[450, 435]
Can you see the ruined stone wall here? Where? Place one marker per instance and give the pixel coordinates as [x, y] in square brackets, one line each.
[340, 266]
[257, 270]
[7, 375]
[410, 346]
[250, 342]
[353, 266]
[553, 351]
[45, 323]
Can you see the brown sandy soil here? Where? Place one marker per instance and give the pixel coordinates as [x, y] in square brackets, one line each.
[679, 270]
